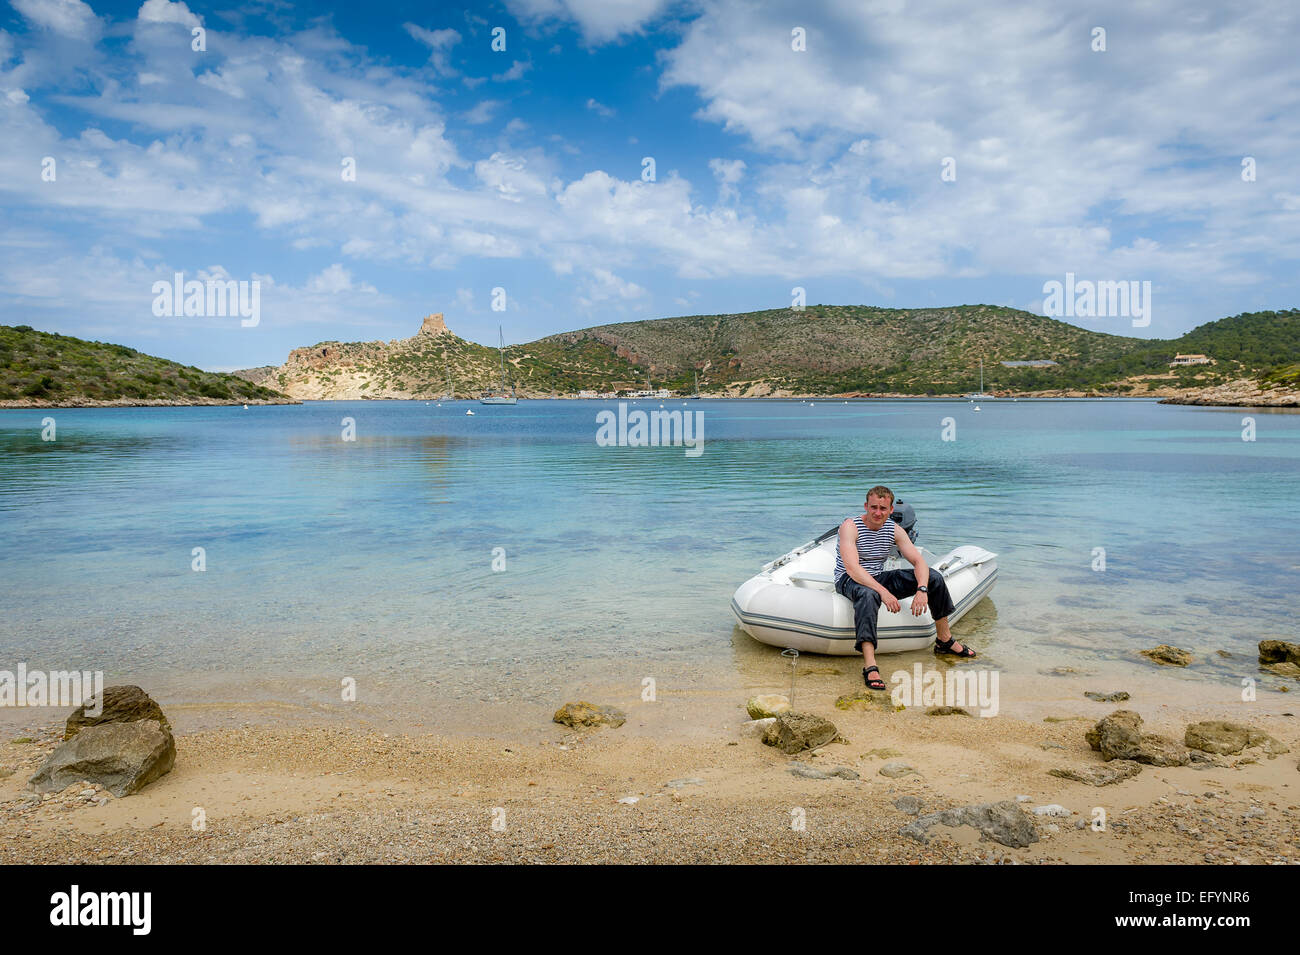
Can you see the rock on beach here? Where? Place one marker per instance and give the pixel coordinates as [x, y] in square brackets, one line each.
[1168, 656]
[116, 704]
[767, 705]
[123, 757]
[1120, 736]
[582, 713]
[119, 739]
[1002, 822]
[795, 732]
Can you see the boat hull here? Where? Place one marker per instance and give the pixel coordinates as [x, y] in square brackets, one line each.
[498, 401]
[793, 603]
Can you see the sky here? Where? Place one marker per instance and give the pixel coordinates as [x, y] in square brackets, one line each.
[615, 160]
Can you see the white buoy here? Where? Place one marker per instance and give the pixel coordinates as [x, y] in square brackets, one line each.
[977, 407]
[468, 411]
[245, 407]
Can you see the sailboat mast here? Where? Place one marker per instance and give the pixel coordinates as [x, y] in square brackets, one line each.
[501, 338]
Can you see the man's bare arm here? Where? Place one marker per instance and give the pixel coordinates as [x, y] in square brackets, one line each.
[912, 554]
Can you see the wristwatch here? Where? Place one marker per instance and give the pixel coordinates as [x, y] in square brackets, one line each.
[923, 590]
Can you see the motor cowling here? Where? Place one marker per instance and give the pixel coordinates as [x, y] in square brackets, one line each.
[905, 517]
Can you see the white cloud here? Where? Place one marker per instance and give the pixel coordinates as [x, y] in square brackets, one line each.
[335, 279]
[599, 109]
[439, 43]
[517, 70]
[70, 18]
[509, 176]
[728, 172]
[164, 11]
[841, 176]
[599, 20]
[482, 112]
[602, 285]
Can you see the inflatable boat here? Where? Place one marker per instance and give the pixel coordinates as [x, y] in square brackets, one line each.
[791, 601]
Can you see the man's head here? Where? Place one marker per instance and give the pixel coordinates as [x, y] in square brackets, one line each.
[879, 505]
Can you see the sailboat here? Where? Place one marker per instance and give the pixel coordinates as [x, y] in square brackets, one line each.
[696, 393]
[979, 395]
[450, 395]
[500, 397]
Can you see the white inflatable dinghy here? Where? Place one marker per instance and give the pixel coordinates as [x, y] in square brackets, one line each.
[791, 601]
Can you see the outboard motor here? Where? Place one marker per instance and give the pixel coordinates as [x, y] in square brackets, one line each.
[905, 517]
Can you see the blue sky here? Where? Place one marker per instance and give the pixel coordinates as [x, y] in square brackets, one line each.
[522, 169]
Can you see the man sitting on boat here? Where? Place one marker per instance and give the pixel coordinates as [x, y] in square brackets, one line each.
[860, 576]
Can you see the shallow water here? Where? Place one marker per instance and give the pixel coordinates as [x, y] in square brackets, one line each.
[373, 559]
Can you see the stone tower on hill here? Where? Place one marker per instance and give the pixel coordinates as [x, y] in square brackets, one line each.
[434, 325]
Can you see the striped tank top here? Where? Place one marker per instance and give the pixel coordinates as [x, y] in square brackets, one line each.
[873, 548]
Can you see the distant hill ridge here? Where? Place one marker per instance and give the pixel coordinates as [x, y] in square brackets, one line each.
[821, 350]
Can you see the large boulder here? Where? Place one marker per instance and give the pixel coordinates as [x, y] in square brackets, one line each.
[795, 732]
[1227, 739]
[122, 757]
[1217, 736]
[1118, 736]
[120, 704]
[583, 713]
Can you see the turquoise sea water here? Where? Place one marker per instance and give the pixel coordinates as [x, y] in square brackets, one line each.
[374, 558]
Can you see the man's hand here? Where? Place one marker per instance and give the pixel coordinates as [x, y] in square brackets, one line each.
[919, 603]
[891, 602]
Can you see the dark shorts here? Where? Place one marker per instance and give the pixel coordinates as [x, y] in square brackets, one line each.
[900, 583]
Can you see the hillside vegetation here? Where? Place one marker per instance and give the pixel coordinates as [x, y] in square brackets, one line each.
[46, 367]
[821, 350]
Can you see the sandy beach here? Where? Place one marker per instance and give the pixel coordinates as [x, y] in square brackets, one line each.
[271, 787]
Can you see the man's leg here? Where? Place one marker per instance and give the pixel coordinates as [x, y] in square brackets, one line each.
[941, 606]
[902, 584]
[866, 610]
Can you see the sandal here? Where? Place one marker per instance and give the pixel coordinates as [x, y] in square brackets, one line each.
[873, 683]
[941, 648]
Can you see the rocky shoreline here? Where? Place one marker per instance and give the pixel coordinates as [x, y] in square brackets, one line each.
[897, 789]
[143, 402]
[1242, 393]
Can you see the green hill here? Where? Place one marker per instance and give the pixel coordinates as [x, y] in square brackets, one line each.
[821, 350]
[47, 368]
